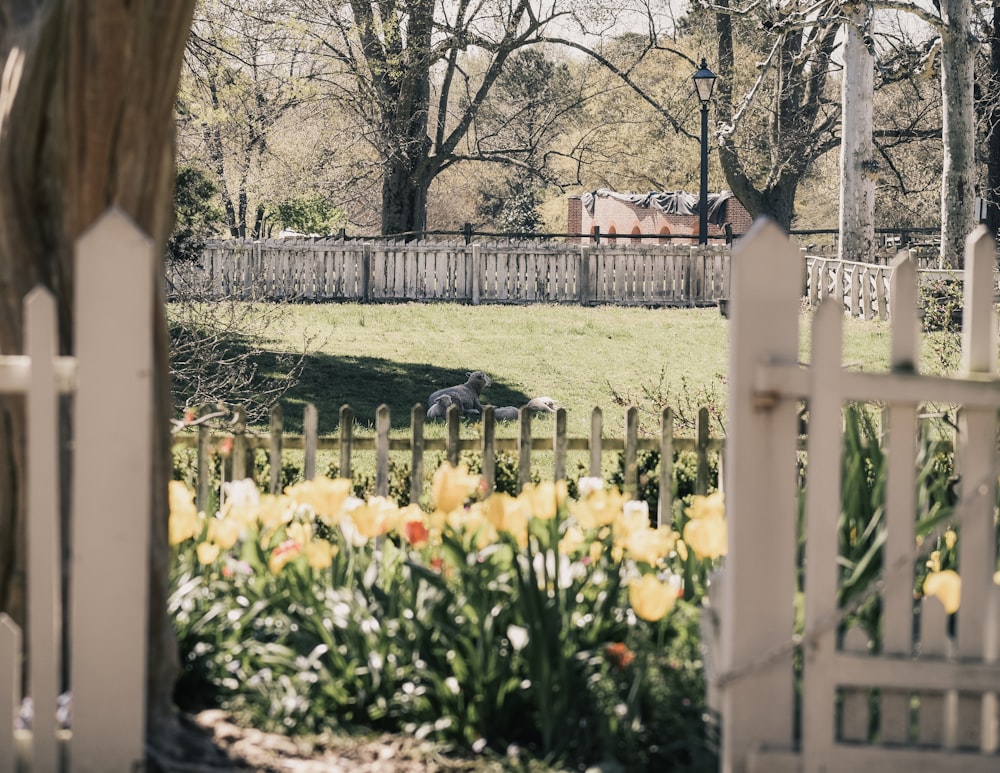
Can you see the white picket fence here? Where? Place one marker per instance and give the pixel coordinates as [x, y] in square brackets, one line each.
[936, 696]
[863, 289]
[625, 273]
[111, 378]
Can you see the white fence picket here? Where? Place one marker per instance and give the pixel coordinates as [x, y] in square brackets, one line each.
[937, 703]
[111, 495]
[760, 497]
[44, 591]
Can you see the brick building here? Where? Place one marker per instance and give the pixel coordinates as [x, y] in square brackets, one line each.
[674, 213]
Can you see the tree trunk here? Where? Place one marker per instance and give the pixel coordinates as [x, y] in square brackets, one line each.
[993, 130]
[857, 190]
[404, 197]
[958, 119]
[87, 121]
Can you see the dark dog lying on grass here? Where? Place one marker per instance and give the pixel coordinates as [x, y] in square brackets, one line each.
[466, 396]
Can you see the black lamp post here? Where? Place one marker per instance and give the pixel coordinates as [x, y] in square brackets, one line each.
[704, 82]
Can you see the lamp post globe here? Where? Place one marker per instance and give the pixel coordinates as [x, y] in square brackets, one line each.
[704, 83]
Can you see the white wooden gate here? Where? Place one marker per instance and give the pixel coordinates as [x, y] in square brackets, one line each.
[935, 697]
[111, 377]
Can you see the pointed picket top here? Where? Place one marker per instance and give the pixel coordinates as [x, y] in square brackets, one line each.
[905, 345]
[979, 316]
[114, 225]
[775, 259]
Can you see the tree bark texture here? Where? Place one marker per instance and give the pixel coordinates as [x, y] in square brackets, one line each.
[86, 122]
[958, 119]
[993, 130]
[857, 189]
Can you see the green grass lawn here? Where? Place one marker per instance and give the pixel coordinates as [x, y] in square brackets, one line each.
[584, 357]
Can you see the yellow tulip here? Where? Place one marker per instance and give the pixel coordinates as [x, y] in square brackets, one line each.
[325, 496]
[224, 532]
[181, 498]
[599, 508]
[650, 545]
[451, 486]
[299, 532]
[319, 554]
[947, 586]
[650, 598]
[207, 552]
[573, 541]
[508, 514]
[375, 517]
[184, 521]
[275, 511]
[707, 536]
[544, 499]
[712, 506]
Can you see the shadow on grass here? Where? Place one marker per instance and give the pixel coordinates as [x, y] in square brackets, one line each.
[365, 383]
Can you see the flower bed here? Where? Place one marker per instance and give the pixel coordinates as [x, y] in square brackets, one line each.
[564, 627]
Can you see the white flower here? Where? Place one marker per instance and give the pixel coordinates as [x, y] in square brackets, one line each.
[635, 508]
[518, 637]
[587, 486]
[242, 493]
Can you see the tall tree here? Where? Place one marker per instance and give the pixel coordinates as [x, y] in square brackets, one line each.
[791, 86]
[857, 167]
[958, 129]
[246, 69]
[86, 122]
[416, 74]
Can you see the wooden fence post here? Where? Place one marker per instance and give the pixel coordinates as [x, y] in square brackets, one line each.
[310, 426]
[476, 274]
[346, 440]
[417, 416]
[760, 499]
[583, 276]
[240, 448]
[489, 449]
[111, 494]
[523, 448]
[664, 504]
[701, 433]
[275, 442]
[596, 429]
[366, 273]
[382, 423]
[631, 457]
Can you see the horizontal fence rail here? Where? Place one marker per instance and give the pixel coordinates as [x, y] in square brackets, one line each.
[275, 441]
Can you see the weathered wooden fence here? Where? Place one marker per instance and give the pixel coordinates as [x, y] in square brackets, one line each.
[863, 289]
[484, 441]
[927, 699]
[500, 272]
[109, 518]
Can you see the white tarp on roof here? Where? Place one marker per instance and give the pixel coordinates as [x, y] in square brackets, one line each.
[668, 202]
